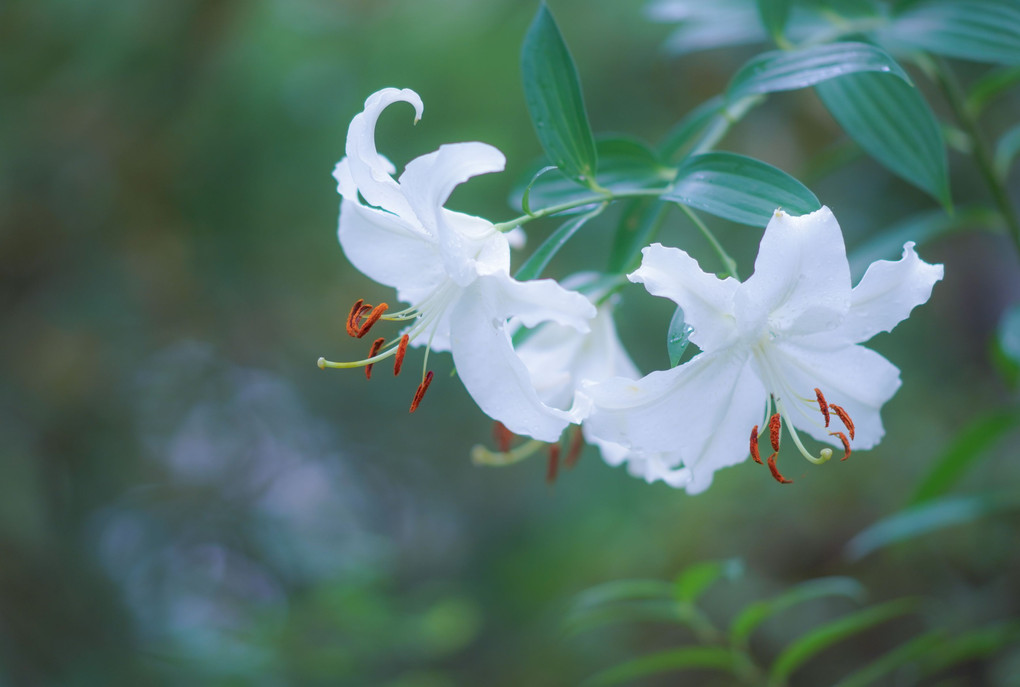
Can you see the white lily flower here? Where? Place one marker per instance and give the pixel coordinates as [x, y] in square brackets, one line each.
[453, 269]
[786, 339]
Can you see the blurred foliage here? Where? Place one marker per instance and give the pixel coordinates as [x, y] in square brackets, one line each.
[187, 499]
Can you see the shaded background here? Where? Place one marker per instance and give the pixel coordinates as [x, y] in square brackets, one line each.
[186, 499]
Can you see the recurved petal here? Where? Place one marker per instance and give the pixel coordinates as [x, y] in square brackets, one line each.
[371, 172]
[854, 377]
[887, 293]
[534, 302]
[491, 371]
[702, 410]
[388, 250]
[428, 181]
[707, 300]
[801, 277]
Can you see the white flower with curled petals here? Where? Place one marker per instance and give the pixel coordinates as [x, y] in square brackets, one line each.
[782, 347]
[453, 269]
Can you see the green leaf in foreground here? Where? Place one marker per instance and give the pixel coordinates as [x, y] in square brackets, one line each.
[980, 30]
[739, 188]
[552, 92]
[892, 122]
[687, 658]
[757, 613]
[927, 517]
[538, 260]
[824, 636]
[910, 651]
[787, 70]
[974, 645]
[973, 442]
[695, 579]
[1006, 151]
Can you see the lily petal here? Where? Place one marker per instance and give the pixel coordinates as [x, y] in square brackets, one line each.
[801, 276]
[707, 300]
[887, 293]
[371, 172]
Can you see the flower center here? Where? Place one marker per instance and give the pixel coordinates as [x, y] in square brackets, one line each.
[775, 425]
[424, 318]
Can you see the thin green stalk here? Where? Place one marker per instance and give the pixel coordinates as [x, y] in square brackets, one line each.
[979, 148]
[554, 209]
[729, 264]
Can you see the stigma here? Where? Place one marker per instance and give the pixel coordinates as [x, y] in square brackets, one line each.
[775, 430]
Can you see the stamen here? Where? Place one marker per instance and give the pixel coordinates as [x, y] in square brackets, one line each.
[401, 350]
[823, 456]
[376, 345]
[553, 467]
[775, 470]
[754, 446]
[775, 425]
[420, 393]
[844, 417]
[372, 318]
[502, 436]
[822, 405]
[576, 448]
[846, 444]
[352, 317]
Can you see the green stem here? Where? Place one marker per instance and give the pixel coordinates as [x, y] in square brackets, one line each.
[729, 264]
[954, 94]
[607, 197]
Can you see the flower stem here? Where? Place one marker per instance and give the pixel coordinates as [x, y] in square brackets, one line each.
[609, 196]
[729, 264]
[968, 121]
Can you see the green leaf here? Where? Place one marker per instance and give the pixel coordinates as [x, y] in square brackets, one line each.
[625, 166]
[925, 518]
[824, 636]
[688, 128]
[1006, 150]
[908, 652]
[892, 122]
[739, 188]
[538, 260]
[552, 92]
[989, 87]
[677, 337]
[787, 70]
[981, 643]
[980, 30]
[774, 14]
[967, 447]
[1006, 349]
[622, 590]
[757, 613]
[688, 658]
[658, 610]
[695, 579]
[638, 224]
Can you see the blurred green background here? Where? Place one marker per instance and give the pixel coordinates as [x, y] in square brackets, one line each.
[185, 498]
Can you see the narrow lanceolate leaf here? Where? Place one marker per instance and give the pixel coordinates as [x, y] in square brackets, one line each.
[654, 610]
[625, 166]
[890, 120]
[690, 127]
[678, 336]
[821, 638]
[787, 70]
[991, 86]
[970, 445]
[621, 590]
[552, 92]
[927, 517]
[910, 651]
[774, 14]
[980, 30]
[1006, 151]
[695, 579]
[533, 266]
[757, 613]
[978, 644]
[739, 188]
[688, 658]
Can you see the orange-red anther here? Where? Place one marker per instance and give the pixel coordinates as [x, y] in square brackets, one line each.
[376, 345]
[372, 318]
[775, 424]
[502, 436]
[846, 444]
[401, 350]
[553, 468]
[754, 446]
[420, 393]
[576, 447]
[775, 470]
[822, 405]
[844, 417]
[352, 317]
